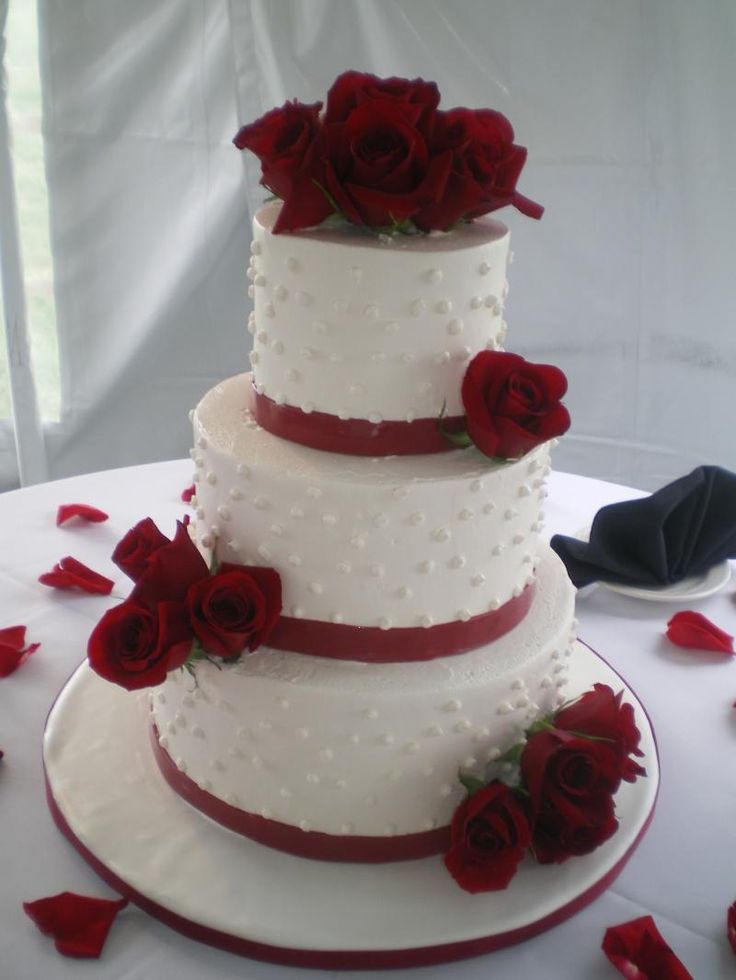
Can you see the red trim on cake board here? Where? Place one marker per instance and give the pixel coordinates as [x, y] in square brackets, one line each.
[329, 959]
[353, 437]
[399, 644]
[286, 837]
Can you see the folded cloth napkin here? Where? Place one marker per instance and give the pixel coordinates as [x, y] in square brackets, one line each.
[681, 530]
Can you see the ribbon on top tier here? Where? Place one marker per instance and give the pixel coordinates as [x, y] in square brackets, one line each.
[372, 644]
[353, 437]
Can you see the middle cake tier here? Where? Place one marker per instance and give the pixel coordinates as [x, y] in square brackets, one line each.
[389, 543]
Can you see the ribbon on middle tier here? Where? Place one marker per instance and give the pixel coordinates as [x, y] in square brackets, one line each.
[354, 437]
[400, 644]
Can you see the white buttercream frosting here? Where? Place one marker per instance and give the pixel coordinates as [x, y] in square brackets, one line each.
[373, 328]
[391, 541]
[376, 747]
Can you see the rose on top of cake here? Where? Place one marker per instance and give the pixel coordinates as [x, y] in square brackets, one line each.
[384, 156]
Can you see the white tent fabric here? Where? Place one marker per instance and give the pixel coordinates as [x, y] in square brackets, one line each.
[626, 282]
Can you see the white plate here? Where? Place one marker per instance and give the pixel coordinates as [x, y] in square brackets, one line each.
[110, 800]
[696, 587]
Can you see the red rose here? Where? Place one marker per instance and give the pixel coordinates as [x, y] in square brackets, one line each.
[136, 646]
[234, 609]
[565, 829]
[379, 168]
[486, 164]
[170, 570]
[600, 714]
[571, 782]
[352, 88]
[557, 765]
[288, 143]
[489, 834]
[731, 925]
[511, 406]
[132, 552]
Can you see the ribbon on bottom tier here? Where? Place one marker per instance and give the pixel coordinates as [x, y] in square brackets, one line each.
[373, 644]
[294, 840]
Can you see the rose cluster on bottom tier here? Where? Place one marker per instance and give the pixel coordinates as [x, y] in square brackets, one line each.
[179, 611]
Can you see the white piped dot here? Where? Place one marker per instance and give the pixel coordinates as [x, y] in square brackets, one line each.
[371, 714]
[404, 592]
[340, 306]
[484, 268]
[303, 298]
[372, 311]
[435, 275]
[425, 567]
[343, 567]
[426, 621]
[261, 503]
[391, 327]
[455, 327]
[441, 534]
[224, 512]
[377, 570]
[316, 588]
[329, 519]
[458, 561]
[478, 580]
[295, 560]
[476, 302]
[418, 307]
[384, 623]
[453, 705]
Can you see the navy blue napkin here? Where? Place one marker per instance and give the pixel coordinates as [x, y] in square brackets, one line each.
[681, 530]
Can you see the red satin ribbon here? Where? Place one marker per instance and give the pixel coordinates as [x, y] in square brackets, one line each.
[293, 840]
[353, 437]
[400, 644]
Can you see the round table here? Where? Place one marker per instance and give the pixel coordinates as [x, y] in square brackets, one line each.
[682, 873]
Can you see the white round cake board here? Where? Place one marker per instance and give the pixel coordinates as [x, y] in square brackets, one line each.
[109, 798]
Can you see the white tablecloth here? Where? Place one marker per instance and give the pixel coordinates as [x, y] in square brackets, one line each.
[683, 873]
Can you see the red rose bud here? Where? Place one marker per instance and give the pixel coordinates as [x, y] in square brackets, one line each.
[692, 630]
[188, 493]
[13, 649]
[135, 646]
[132, 552]
[731, 925]
[235, 609]
[511, 406]
[78, 924]
[72, 574]
[66, 512]
[169, 569]
[600, 714]
[489, 834]
[637, 950]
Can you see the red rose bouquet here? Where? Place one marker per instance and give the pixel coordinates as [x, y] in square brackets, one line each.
[552, 794]
[384, 156]
[180, 610]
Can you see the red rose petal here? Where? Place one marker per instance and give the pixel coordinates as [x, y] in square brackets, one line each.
[188, 493]
[78, 924]
[638, 951]
[84, 511]
[72, 574]
[692, 630]
[731, 925]
[13, 651]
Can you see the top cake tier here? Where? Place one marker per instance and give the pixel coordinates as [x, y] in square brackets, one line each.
[376, 329]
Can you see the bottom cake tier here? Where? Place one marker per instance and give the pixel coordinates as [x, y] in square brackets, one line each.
[355, 761]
